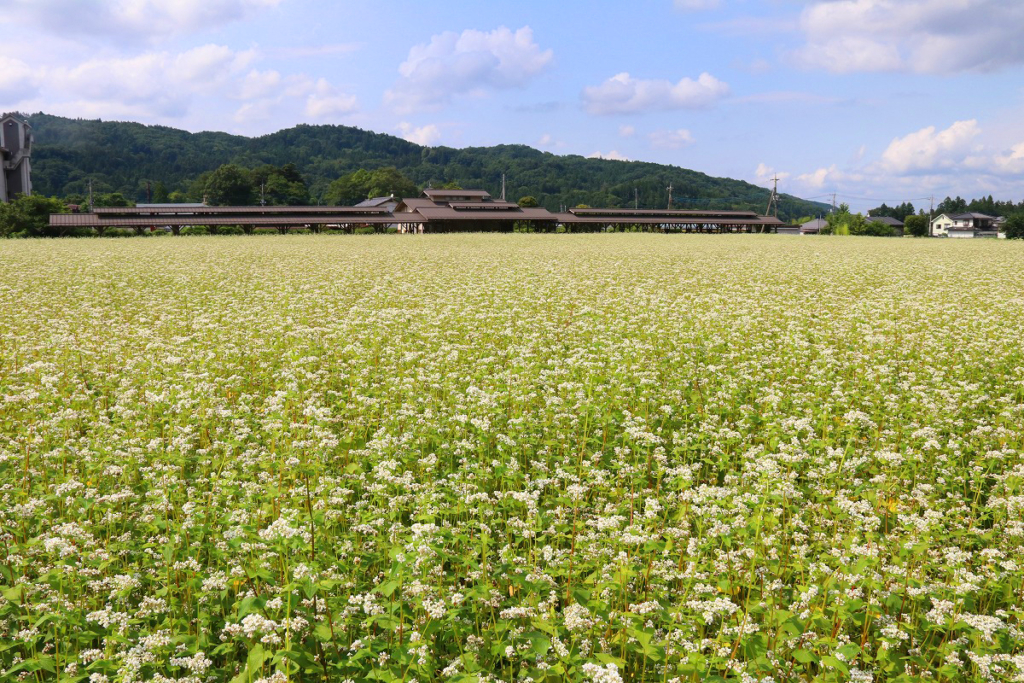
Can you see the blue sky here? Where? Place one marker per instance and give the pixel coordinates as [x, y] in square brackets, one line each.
[874, 100]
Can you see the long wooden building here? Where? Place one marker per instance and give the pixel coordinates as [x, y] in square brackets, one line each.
[433, 212]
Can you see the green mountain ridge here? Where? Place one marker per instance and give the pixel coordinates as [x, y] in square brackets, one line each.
[126, 156]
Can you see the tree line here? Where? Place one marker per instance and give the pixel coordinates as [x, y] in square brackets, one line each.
[164, 164]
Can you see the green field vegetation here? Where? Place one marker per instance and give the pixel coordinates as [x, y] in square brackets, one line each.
[517, 458]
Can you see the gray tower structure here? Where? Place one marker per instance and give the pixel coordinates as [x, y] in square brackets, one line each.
[15, 153]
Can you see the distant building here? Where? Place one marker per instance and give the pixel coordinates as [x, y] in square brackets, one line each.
[433, 211]
[15, 153]
[964, 225]
[388, 203]
[813, 227]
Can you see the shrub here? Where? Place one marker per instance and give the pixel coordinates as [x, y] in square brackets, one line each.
[1013, 228]
[916, 226]
[119, 232]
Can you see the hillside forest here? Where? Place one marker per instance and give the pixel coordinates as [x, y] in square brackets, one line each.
[132, 162]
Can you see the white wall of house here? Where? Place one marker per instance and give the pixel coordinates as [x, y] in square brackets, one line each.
[941, 224]
[960, 232]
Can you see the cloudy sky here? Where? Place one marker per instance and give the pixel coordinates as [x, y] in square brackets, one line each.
[875, 100]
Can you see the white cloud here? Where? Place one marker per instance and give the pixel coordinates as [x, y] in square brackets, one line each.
[670, 139]
[1011, 162]
[929, 149]
[423, 135]
[817, 179]
[131, 19]
[259, 84]
[160, 85]
[627, 131]
[156, 83]
[924, 36]
[18, 81]
[327, 102]
[468, 62]
[550, 142]
[765, 173]
[613, 155]
[212, 64]
[623, 94]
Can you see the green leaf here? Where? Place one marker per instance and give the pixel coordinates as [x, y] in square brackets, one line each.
[539, 644]
[253, 664]
[805, 656]
[606, 658]
[835, 664]
[545, 626]
[14, 594]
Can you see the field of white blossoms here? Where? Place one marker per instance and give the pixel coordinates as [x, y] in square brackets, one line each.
[515, 458]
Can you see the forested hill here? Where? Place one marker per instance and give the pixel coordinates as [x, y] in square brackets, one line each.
[125, 157]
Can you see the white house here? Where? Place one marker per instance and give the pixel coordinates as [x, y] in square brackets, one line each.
[940, 225]
[963, 225]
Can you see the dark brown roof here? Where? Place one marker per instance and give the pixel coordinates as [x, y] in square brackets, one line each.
[633, 219]
[477, 206]
[213, 210]
[446, 213]
[885, 219]
[91, 220]
[668, 213]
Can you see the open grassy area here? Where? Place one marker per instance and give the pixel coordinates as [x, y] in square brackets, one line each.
[521, 457]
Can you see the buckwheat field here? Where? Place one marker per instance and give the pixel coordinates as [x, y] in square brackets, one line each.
[511, 458]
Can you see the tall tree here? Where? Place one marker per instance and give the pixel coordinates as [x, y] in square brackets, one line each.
[160, 194]
[229, 185]
[112, 199]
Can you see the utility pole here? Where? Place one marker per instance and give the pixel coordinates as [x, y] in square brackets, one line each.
[773, 200]
[149, 192]
[931, 210]
[833, 202]
[670, 196]
[503, 187]
[263, 197]
[636, 198]
[91, 205]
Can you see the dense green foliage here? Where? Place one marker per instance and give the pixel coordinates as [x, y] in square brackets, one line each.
[1014, 226]
[916, 226]
[986, 205]
[900, 212]
[354, 187]
[135, 159]
[874, 229]
[843, 222]
[29, 216]
[229, 185]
